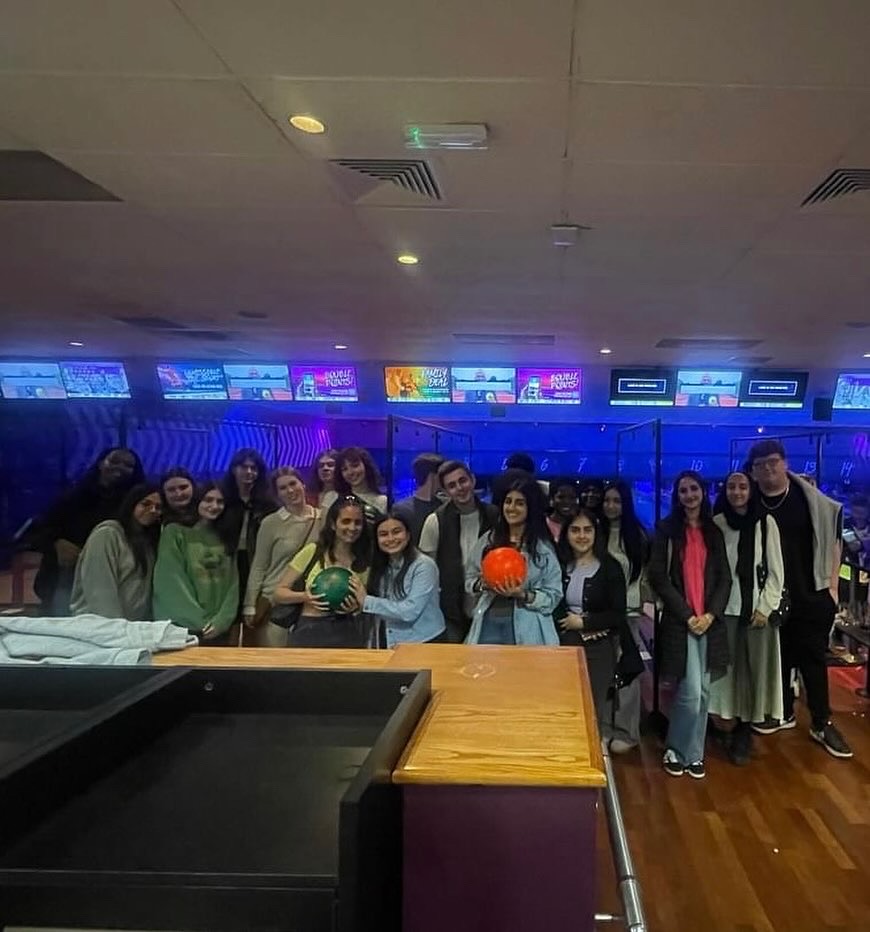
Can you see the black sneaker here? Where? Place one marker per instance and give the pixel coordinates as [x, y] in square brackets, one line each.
[771, 726]
[741, 745]
[832, 741]
[696, 770]
[672, 764]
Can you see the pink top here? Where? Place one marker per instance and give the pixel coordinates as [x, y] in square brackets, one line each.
[694, 560]
[555, 526]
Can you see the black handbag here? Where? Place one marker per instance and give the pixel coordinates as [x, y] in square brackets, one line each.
[286, 616]
[780, 614]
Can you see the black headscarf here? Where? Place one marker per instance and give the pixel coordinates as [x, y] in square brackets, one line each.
[745, 526]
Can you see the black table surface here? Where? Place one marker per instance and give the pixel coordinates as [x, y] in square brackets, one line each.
[227, 794]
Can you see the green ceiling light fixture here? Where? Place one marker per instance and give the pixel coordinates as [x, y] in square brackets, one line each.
[454, 136]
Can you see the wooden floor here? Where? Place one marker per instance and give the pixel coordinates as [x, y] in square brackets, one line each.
[782, 844]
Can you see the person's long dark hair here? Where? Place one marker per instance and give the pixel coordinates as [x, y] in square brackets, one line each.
[314, 484]
[599, 546]
[142, 540]
[261, 498]
[632, 534]
[356, 455]
[186, 515]
[678, 513]
[380, 560]
[361, 549]
[536, 534]
[221, 526]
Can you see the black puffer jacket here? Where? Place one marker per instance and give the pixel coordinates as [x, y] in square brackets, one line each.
[667, 581]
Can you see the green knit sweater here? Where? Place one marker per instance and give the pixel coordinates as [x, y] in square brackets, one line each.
[196, 582]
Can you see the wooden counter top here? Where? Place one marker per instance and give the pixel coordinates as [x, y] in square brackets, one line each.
[499, 716]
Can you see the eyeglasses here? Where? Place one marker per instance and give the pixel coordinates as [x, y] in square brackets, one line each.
[769, 462]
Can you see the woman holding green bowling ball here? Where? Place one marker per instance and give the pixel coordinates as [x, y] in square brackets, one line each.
[345, 541]
[403, 591]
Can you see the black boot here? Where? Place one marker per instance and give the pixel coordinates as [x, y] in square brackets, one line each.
[741, 744]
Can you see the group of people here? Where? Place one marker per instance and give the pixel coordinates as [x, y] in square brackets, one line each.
[746, 590]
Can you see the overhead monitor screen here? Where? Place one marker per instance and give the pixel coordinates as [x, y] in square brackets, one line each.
[644, 387]
[773, 389]
[31, 380]
[707, 388]
[853, 391]
[324, 383]
[84, 379]
[424, 384]
[196, 381]
[266, 381]
[549, 386]
[483, 385]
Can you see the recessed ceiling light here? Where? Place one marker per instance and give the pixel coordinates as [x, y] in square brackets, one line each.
[407, 258]
[307, 124]
[340, 346]
[867, 355]
[605, 351]
[75, 343]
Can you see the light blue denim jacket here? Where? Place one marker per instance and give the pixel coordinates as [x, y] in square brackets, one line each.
[418, 616]
[533, 623]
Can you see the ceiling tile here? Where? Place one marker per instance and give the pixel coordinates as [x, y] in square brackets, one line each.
[116, 114]
[688, 190]
[118, 37]
[774, 42]
[205, 180]
[367, 119]
[391, 38]
[618, 122]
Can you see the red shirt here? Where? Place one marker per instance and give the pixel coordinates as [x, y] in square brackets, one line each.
[694, 560]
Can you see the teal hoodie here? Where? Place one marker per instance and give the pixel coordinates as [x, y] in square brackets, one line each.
[196, 582]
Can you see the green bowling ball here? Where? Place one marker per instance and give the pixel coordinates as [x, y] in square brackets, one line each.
[332, 585]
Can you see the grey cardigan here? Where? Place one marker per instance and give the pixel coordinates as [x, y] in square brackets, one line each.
[826, 516]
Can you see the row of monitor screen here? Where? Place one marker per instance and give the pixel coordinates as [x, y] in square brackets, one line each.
[686, 388]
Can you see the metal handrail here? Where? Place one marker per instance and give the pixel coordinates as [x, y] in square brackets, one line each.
[627, 882]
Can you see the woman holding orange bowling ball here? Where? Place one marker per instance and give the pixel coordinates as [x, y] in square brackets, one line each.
[516, 603]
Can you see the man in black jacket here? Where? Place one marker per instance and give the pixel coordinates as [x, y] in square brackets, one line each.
[448, 537]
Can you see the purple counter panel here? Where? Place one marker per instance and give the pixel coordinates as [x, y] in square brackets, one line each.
[499, 859]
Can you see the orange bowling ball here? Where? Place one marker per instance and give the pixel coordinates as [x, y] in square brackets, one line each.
[503, 564]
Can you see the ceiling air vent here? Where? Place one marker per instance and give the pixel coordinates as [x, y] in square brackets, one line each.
[706, 343]
[839, 183]
[215, 336]
[150, 322]
[163, 325]
[507, 339]
[410, 174]
[749, 360]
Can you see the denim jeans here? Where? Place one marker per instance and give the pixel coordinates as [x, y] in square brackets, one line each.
[688, 720]
[497, 631]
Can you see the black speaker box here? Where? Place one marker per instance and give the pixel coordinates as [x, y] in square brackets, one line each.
[823, 409]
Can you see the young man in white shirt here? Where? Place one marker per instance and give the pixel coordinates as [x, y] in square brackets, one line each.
[449, 535]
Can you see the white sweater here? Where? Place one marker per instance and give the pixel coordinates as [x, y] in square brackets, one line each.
[767, 601]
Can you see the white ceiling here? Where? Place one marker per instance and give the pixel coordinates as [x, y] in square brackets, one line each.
[685, 133]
